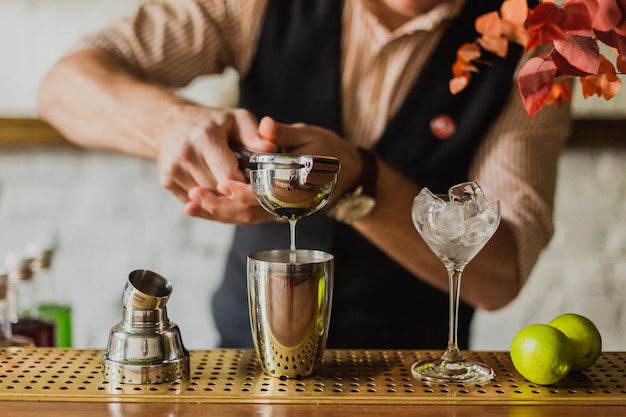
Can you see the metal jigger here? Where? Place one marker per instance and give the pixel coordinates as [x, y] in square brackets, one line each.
[145, 347]
[290, 291]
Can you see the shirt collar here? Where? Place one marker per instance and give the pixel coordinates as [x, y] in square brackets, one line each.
[426, 22]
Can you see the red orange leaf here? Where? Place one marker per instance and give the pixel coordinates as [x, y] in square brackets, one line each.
[576, 18]
[498, 46]
[614, 40]
[514, 11]
[457, 84]
[607, 16]
[609, 89]
[590, 86]
[460, 68]
[535, 81]
[544, 23]
[620, 44]
[559, 92]
[564, 67]
[592, 7]
[607, 68]
[468, 52]
[609, 83]
[549, 22]
[572, 29]
[620, 64]
[515, 33]
[580, 52]
[606, 84]
[488, 24]
[606, 37]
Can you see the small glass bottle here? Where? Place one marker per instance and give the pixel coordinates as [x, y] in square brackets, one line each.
[22, 303]
[51, 305]
[7, 339]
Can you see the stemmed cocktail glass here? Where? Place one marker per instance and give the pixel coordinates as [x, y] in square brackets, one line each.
[456, 227]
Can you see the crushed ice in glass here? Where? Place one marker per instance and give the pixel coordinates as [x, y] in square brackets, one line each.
[466, 219]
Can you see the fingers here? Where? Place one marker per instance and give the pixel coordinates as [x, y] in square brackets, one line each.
[200, 155]
[199, 166]
[238, 129]
[251, 136]
[238, 191]
[268, 128]
[182, 167]
[179, 189]
[213, 206]
[290, 136]
[215, 157]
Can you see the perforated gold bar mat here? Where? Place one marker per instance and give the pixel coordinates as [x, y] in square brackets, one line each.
[344, 377]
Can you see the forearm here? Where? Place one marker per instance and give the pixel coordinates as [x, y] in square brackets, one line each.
[95, 102]
[490, 280]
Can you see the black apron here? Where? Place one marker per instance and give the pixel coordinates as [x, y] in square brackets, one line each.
[295, 77]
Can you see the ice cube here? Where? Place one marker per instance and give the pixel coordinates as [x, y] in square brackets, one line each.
[447, 222]
[478, 232]
[471, 196]
[423, 204]
[490, 216]
[465, 191]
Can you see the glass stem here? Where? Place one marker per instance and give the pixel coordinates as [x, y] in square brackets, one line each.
[453, 354]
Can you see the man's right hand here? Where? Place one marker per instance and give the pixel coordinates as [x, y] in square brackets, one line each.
[196, 158]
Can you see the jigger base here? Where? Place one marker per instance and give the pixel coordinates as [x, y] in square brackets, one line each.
[145, 374]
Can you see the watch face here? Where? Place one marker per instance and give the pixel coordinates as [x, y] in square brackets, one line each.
[353, 207]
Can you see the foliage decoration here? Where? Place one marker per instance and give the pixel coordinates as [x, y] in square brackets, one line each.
[569, 35]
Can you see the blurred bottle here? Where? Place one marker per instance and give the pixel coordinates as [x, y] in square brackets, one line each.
[22, 299]
[51, 305]
[7, 339]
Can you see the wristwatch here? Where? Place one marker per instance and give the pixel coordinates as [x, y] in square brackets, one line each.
[361, 200]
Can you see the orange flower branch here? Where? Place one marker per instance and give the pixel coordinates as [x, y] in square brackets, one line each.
[570, 32]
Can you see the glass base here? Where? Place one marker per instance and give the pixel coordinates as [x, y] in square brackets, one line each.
[464, 372]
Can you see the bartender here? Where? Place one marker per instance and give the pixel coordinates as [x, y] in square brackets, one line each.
[365, 81]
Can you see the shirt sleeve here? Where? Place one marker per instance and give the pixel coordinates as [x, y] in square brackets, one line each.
[171, 42]
[518, 163]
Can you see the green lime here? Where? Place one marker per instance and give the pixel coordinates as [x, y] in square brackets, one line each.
[584, 337]
[542, 354]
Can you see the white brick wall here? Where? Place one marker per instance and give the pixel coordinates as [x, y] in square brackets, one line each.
[111, 216]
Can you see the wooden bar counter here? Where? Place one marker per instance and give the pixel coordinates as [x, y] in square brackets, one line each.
[69, 382]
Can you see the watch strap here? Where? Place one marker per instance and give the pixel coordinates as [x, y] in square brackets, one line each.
[369, 173]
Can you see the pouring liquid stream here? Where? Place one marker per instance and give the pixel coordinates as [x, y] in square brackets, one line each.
[292, 246]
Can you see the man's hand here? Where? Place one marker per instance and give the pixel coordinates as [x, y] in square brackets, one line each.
[300, 138]
[196, 159]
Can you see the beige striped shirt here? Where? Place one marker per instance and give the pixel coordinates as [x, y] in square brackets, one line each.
[172, 42]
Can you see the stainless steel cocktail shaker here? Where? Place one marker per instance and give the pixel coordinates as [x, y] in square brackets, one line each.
[145, 347]
[290, 304]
